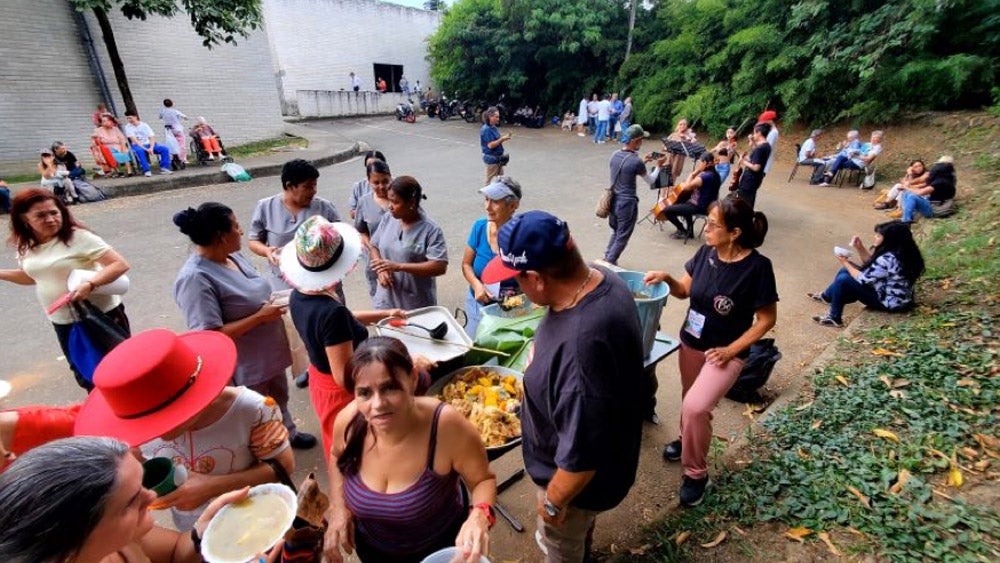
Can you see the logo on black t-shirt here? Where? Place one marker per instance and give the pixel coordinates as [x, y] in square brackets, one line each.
[723, 304]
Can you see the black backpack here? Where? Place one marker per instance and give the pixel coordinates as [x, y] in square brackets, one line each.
[756, 371]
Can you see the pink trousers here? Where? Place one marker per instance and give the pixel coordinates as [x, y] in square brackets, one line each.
[702, 385]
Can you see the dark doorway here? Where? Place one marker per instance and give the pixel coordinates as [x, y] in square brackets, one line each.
[391, 74]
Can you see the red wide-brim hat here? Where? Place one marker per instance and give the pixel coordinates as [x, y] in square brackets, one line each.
[154, 382]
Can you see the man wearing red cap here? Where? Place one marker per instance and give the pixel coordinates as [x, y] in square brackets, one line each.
[581, 422]
[769, 117]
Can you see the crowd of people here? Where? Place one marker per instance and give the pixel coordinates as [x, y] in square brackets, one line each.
[408, 474]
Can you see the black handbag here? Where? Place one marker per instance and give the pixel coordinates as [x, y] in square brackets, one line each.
[756, 371]
[104, 333]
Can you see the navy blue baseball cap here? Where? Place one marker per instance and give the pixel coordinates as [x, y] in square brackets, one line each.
[529, 241]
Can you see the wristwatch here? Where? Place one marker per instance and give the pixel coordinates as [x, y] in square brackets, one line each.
[550, 509]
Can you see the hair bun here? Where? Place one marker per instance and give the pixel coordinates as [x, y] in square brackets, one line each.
[185, 218]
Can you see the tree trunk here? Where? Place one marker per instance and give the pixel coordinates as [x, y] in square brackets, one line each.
[631, 28]
[116, 59]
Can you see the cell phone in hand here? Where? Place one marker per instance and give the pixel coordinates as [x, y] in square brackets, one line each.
[655, 154]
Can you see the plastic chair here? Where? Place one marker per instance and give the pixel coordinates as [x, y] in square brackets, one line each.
[795, 168]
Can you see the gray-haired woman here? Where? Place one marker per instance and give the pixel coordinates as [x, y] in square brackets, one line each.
[82, 499]
[491, 142]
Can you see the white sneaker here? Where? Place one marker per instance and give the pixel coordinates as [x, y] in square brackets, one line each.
[165, 171]
[580, 135]
[210, 157]
[147, 174]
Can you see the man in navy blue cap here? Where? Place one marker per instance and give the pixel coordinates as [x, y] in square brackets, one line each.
[580, 422]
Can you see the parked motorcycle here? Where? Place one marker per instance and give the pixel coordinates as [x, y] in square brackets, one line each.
[449, 107]
[468, 111]
[404, 111]
[430, 107]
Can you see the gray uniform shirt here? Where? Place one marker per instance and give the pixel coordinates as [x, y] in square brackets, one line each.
[358, 190]
[423, 241]
[211, 295]
[273, 225]
[367, 218]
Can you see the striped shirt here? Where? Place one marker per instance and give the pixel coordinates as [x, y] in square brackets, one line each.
[410, 521]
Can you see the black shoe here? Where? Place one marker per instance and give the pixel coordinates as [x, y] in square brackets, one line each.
[693, 491]
[672, 451]
[818, 296]
[679, 235]
[302, 380]
[302, 441]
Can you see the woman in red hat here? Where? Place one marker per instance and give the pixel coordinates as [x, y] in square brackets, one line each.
[50, 245]
[168, 395]
[82, 499]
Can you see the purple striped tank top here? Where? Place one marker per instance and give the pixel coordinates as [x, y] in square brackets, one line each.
[411, 520]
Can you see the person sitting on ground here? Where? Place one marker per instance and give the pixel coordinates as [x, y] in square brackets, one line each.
[144, 145]
[56, 178]
[701, 189]
[567, 121]
[883, 282]
[168, 395]
[408, 251]
[362, 187]
[67, 160]
[937, 198]
[25, 428]
[915, 179]
[82, 499]
[854, 159]
[4, 196]
[396, 463]
[110, 148]
[204, 135]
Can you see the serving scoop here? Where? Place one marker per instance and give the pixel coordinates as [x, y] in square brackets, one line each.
[437, 332]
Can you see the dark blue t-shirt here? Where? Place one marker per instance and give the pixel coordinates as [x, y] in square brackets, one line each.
[488, 134]
[583, 392]
[708, 192]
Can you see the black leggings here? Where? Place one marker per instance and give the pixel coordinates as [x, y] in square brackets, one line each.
[687, 211]
[117, 315]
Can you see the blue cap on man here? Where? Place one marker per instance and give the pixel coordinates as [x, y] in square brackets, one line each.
[529, 241]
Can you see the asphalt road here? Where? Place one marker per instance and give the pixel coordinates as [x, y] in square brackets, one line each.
[560, 173]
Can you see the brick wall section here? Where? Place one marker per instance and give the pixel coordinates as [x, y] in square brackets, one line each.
[317, 43]
[49, 93]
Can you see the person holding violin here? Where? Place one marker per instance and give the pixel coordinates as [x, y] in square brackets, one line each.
[699, 190]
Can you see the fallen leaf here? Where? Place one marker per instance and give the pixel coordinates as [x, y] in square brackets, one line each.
[901, 480]
[825, 537]
[748, 412]
[864, 500]
[885, 379]
[938, 453]
[802, 454]
[855, 531]
[955, 478]
[940, 494]
[804, 406]
[682, 537]
[885, 434]
[991, 453]
[739, 530]
[816, 424]
[884, 352]
[981, 466]
[798, 533]
[987, 441]
[969, 453]
[966, 382]
[641, 550]
[900, 383]
[897, 394]
[946, 284]
[842, 380]
[718, 539]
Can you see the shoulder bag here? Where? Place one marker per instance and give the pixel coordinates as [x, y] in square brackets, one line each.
[604, 204]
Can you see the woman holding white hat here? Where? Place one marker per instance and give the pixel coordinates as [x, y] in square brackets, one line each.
[50, 245]
[219, 289]
[314, 263]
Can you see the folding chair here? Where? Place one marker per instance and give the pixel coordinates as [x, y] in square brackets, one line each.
[654, 214]
[795, 168]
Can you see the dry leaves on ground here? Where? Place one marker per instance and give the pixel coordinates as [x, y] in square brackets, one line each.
[718, 539]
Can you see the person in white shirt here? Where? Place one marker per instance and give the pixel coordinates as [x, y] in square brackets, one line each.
[582, 117]
[603, 116]
[769, 117]
[355, 82]
[592, 114]
[143, 141]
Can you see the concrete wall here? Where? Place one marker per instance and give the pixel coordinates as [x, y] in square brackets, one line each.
[49, 92]
[326, 103]
[318, 43]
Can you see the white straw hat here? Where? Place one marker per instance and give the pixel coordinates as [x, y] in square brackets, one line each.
[320, 255]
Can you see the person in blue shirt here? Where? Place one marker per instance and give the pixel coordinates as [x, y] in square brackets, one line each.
[491, 141]
[617, 106]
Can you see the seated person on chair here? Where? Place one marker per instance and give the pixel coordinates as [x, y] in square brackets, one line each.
[112, 146]
[143, 141]
[67, 159]
[915, 179]
[855, 159]
[808, 156]
[937, 197]
[703, 186]
[206, 137]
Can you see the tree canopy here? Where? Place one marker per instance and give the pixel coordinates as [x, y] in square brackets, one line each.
[717, 62]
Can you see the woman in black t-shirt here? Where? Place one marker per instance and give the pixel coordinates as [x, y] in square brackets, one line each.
[700, 189]
[734, 302]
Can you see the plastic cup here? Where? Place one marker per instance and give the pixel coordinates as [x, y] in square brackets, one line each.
[161, 476]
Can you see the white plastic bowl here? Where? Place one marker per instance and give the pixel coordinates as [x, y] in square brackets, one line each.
[277, 534]
[447, 555]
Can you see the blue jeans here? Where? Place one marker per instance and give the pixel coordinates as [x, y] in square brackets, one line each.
[842, 162]
[77, 172]
[143, 157]
[591, 124]
[845, 289]
[474, 312]
[611, 126]
[624, 212]
[913, 203]
[4, 199]
[602, 130]
[625, 125]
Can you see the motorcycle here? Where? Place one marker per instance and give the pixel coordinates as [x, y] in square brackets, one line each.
[430, 107]
[448, 108]
[468, 111]
[404, 111]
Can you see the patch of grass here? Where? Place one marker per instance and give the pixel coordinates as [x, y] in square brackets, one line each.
[22, 178]
[266, 146]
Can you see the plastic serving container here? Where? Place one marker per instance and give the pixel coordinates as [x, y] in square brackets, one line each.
[416, 339]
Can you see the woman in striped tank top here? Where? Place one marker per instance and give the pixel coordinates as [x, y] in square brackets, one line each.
[395, 467]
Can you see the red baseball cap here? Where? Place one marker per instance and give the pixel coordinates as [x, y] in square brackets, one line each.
[769, 115]
[154, 382]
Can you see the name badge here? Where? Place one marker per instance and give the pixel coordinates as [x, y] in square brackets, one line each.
[695, 323]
